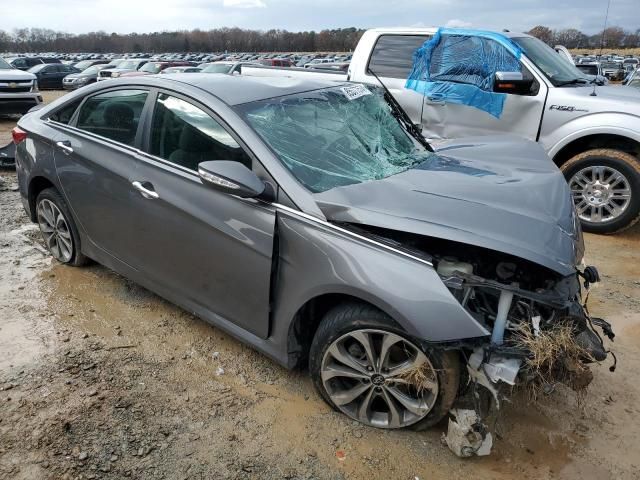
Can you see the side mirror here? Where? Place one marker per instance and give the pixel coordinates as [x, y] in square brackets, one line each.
[511, 82]
[231, 177]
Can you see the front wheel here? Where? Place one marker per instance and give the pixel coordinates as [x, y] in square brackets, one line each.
[605, 186]
[365, 366]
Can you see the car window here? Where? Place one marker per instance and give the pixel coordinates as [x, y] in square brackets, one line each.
[64, 114]
[186, 135]
[114, 115]
[392, 56]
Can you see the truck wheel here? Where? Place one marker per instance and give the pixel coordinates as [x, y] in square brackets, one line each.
[364, 365]
[605, 185]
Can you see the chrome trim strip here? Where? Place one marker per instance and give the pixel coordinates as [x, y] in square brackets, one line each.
[344, 231]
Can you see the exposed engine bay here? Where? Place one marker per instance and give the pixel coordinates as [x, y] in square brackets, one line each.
[541, 331]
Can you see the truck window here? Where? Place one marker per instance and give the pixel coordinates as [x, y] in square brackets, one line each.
[392, 56]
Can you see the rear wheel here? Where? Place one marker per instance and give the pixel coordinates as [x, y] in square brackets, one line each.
[58, 228]
[365, 366]
[605, 185]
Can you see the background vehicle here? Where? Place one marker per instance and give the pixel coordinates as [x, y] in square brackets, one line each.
[18, 90]
[593, 72]
[225, 67]
[121, 68]
[25, 63]
[276, 62]
[344, 267]
[87, 76]
[50, 75]
[595, 140]
[181, 70]
[84, 64]
[634, 80]
[613, 70]
[151, 68]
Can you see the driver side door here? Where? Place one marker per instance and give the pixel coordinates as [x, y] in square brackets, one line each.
[207, 250]
[520, 115]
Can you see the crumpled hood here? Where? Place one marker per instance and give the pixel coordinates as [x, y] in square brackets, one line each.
[501, 193]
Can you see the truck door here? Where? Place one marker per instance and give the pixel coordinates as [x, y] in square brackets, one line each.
[465, 99]
[392, 61]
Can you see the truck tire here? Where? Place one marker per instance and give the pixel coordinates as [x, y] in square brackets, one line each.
[362, 382]
[605, 185]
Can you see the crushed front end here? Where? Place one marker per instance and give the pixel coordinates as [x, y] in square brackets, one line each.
[541, 331]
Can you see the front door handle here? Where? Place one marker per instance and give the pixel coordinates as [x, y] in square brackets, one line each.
[65, 146]
[438, 101]
[148, 193]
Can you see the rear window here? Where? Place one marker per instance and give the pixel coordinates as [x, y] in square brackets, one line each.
[114, 115]
[64, 114]
[392, 55]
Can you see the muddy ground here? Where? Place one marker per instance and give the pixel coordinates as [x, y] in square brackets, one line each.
[102, 379]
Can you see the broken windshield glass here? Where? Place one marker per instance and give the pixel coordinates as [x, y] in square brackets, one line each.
[335, 137]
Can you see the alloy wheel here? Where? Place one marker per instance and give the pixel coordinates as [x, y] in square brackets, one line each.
[379, 378]
[600, 193]
[55, 230]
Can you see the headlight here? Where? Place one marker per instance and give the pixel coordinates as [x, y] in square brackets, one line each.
[115, 74]
[35, 86]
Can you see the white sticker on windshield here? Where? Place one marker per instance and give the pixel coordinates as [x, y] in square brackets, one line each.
[355, 91]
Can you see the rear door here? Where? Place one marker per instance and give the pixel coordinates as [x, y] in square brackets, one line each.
[95, 158]
[211, 249]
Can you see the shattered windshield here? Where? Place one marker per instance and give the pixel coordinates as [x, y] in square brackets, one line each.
[335, 137]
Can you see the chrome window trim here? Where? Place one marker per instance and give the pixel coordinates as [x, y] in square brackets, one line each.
[349, 233]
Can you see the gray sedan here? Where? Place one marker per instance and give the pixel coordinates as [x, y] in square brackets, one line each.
[312, 221]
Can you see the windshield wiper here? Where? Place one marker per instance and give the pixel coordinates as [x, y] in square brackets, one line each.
[403, 116]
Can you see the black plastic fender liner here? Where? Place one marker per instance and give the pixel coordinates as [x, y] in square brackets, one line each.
[8, 154]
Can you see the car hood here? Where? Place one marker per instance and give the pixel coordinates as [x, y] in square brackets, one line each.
[500, 193]
[15, 74]
[608, 98]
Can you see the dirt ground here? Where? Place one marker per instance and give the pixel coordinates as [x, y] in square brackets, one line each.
[102, 379]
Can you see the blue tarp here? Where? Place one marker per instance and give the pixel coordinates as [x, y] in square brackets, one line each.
[459, 66]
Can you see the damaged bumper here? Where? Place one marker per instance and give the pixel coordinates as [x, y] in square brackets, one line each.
[538, 339]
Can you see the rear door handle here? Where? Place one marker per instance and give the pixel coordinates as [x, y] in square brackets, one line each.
[148, 193]
[65, 146]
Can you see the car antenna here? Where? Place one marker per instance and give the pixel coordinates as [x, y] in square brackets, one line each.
[604, 29]
[406, 119]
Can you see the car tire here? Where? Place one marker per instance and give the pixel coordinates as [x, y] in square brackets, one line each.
[581, 172]
[361, 319]
[58, 228]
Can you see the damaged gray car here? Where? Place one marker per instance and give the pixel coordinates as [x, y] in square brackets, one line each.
[312, 221]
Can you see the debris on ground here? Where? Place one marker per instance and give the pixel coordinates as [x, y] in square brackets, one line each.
[466, 435]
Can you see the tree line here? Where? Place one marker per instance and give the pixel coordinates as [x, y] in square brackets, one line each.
[612, 37]
[216, 40]
[245, 40]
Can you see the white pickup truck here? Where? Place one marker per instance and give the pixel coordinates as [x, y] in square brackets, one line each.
[18, 94]
[591, 132]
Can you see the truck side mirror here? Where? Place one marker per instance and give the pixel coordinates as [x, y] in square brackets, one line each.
[511, 82]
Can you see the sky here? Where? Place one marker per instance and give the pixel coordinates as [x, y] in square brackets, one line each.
[125, 16]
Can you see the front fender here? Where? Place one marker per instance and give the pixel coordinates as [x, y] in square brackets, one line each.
[316, 259]
[609, 123]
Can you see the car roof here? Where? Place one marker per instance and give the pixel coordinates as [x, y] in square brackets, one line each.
[235, 90]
